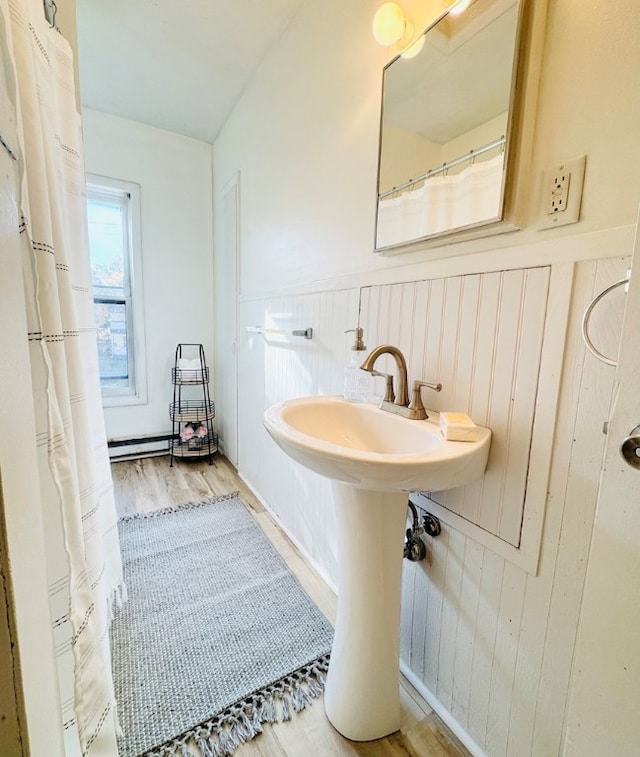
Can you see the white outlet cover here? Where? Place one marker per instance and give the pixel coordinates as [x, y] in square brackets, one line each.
[571, 214]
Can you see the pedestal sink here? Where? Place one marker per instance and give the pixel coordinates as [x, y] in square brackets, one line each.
[373, 458]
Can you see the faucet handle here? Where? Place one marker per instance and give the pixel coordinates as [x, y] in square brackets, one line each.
[389, 394]
[418, 384]
[416, 407]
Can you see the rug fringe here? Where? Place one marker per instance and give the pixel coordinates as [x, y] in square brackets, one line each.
[243, 720]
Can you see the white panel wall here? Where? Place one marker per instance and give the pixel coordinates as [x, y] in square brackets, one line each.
[480, 336]
[174, 174]
[275, 368]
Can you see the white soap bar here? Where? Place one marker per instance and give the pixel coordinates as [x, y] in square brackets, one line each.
[458, 427]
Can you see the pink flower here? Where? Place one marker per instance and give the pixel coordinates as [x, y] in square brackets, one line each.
[201, 431]
[186, 433]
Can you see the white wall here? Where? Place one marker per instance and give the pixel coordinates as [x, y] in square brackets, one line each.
[174, 174]
[304, 139]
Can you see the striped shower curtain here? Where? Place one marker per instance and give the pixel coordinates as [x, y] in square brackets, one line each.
[83, 554]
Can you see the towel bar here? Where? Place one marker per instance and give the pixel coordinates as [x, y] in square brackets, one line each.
[306, 333]
[587, 316]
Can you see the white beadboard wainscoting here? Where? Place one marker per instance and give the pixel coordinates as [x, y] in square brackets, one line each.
[273, 368]
[487, 633]
[483, 337]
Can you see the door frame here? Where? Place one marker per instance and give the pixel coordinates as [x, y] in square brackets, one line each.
[227, 317]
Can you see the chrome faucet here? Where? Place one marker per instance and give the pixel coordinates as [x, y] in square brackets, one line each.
[400, 405]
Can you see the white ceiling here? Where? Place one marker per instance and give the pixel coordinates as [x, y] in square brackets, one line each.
[180, 66]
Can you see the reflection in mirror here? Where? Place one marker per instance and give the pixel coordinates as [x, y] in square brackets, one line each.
[445, 127]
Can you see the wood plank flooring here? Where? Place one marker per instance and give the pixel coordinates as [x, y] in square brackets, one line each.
[150, 484]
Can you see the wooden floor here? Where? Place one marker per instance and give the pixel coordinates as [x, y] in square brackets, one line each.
[150, 484]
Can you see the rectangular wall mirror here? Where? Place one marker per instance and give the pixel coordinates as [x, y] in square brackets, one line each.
[446, 129]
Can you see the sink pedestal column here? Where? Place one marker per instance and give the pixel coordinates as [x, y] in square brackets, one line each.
[361, 697]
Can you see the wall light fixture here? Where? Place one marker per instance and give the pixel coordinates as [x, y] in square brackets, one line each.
[414, 48]
[390, 25]
[459, 7]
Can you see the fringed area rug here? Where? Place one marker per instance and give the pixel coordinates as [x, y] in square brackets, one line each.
[217, 636]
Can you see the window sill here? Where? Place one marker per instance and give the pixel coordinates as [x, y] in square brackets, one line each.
[123, 400]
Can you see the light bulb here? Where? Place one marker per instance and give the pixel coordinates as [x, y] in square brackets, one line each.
[414, 48]
[388, 24]
[459, 7]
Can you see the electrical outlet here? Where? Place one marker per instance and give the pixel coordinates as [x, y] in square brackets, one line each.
[559, 192]
[562, 193]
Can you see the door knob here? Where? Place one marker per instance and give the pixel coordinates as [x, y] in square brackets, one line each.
[630, 448]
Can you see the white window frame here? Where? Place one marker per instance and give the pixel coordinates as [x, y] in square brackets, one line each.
[109, 189]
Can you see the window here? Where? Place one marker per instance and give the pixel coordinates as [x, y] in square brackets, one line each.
[113, 215]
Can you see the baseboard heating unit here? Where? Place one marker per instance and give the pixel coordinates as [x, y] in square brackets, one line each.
[145, 445]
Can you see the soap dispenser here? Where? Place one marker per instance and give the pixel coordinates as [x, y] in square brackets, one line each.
[357, 383]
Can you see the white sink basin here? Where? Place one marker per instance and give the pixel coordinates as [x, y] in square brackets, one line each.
[369, 448]
[374, 458]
